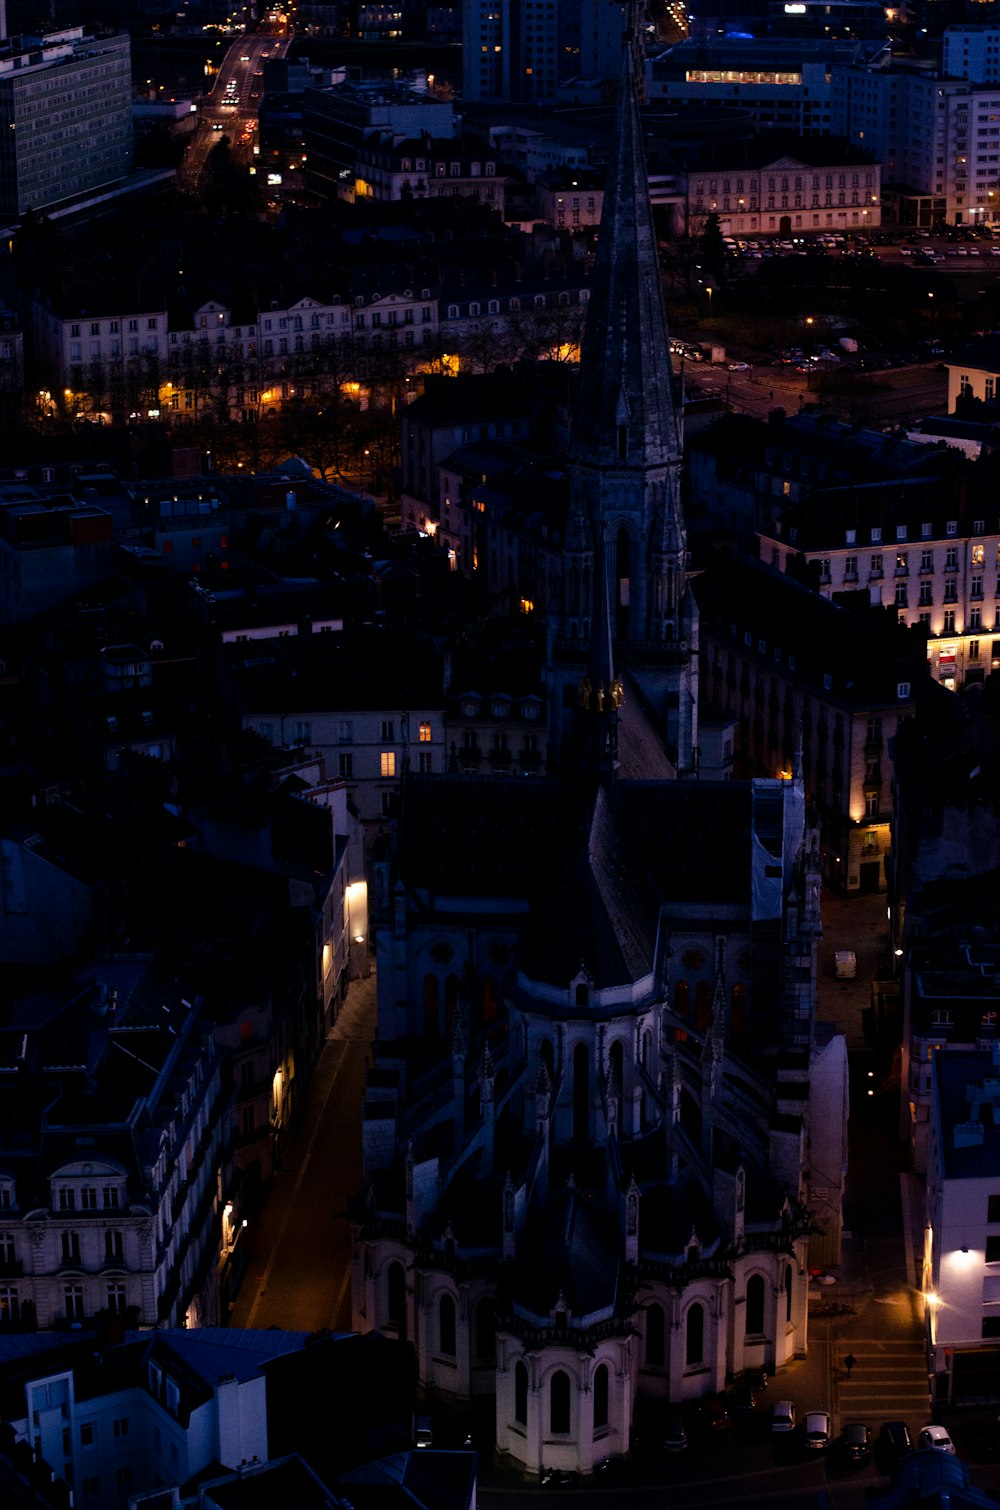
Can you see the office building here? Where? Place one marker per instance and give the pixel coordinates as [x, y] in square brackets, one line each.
[65, 118]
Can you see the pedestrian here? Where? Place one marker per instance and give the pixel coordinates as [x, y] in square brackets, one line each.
[849, 1363]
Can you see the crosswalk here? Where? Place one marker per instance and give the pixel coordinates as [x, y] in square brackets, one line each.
[888, 1381]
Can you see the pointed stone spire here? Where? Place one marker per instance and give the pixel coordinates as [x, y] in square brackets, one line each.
[626, 411]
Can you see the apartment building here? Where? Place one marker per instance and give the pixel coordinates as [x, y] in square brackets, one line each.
[938, 141]
[939, 568]
[111, 1198]
[816, 690]
[422, 168]
[959, 1273]
[971, 52]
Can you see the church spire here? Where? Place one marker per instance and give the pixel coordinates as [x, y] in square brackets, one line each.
[626, 410]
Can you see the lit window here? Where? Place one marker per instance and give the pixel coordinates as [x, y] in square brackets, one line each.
[387, 761]
[425, 733]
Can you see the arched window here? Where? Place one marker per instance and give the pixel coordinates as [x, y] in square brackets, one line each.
[682, 998]
[582, 993]
[647, 1049]
[395, 1285]
[702, 1006]
[617, 1060]
[654, 1336]
[431, 1002]
[547, 1057]
[738, 1013]
[521, 1394]
[695, 1335]
[581, 1091]
[755, 1305]
[623, 572]
[788, 1292]
[489, 998]
[601, 1395]
[486, 1331]
[446, 1326]
[559, 1403]
[450, 999]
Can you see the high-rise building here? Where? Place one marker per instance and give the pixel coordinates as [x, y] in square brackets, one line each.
[523, 50]
[65, 118]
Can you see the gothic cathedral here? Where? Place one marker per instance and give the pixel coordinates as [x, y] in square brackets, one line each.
[586, 1135]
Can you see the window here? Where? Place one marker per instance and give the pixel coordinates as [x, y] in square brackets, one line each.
[67, 1199]
[948, 622]
[993, 1250]
[10, 1306]
[601, 1395]
[113, 1247]
[871, 804]
[446, 1326]
[387, 729]
[73, 1302]
[70, 1244]
[346, 763]
[993, 1208]
[850, 566]
[387, 763]
[902, 690]
[425, 733]
[116, 1298]
[875, 569]
[655, 1336]
[755, 1305]
[559, 1403]
[425, 763]
[521, 1393]
[902, 566]
[123, 1476]
[91, 1486]
[694, 1351]
[87, 1434]
[121, 1428]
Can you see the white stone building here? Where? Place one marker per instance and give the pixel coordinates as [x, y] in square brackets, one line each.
[961, 1260]
[118, 1207]
[787, 196]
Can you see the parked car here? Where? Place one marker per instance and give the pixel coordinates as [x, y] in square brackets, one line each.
[894, 1442]
[936, 1437]
[744, 1399]
[817, 1430]
[739, 366]
[710, 1415]
[783, 1416]
[675, 1437]
[856, 1442]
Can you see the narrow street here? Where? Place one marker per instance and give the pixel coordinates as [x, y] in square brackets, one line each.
[298, 1277]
